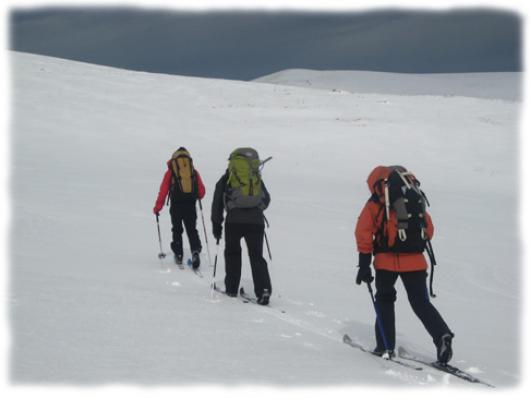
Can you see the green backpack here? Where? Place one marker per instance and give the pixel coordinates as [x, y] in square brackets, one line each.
[244, 179]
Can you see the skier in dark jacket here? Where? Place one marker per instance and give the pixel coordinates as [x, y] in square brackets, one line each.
[184, 185]
[244, 219]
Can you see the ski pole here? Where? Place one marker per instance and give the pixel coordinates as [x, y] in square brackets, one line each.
[267, 243]
[378, 318]
[205, 234]
[268, 247]
[161, 255]
[267, 239]
[430, 253]
[215, 264]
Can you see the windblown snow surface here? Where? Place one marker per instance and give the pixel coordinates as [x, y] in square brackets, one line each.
[90, 302]
[498, 85]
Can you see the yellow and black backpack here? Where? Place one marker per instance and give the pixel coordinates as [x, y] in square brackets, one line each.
[184, 186]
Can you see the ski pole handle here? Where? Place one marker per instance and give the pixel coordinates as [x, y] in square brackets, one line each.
[262, 163]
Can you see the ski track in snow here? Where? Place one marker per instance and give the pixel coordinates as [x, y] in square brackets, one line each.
[394, 371]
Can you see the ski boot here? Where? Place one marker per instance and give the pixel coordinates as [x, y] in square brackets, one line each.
[195, 260]
[264, 298]
[178, 259]
[444, 350]
[385, 354]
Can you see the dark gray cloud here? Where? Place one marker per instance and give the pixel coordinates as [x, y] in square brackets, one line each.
[237, 45]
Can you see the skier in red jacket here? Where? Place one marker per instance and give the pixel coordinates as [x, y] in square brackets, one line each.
[184, 185]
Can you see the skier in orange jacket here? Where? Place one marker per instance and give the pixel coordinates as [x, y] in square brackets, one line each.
[397, 243]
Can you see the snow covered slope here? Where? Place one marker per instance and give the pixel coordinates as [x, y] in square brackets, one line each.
[501, 85]
[91, 303]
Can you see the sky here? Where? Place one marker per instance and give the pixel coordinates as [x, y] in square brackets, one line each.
[244, 45]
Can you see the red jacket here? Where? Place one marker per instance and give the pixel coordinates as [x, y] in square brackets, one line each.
[370, 220]
[164, 189]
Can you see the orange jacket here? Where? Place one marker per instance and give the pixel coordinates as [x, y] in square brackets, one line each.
[370, 220]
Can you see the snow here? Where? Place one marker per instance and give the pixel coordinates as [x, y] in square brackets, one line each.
[91, 304]
[498, 85]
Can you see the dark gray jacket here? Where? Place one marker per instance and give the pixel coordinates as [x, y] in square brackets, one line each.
[236, 216]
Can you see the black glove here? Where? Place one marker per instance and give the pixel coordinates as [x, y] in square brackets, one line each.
[365, 272]
[217, 231]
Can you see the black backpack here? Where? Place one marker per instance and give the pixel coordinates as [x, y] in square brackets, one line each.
[403, 228]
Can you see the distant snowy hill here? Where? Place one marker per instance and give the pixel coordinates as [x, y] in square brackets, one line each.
[91, 303]
[500, 85]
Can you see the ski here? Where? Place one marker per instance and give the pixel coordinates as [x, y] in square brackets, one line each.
[218, 289]
[196, 271]
[403, 353]
[347, 340]
[179, 265]
[246, 298]
[244, 294]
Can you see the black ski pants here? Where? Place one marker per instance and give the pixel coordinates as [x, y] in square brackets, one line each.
[416, 286]
[184, 213]
[253, 235]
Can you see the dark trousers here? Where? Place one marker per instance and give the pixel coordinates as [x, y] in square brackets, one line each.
[184, 213]
[253, 235]
[416, 286]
